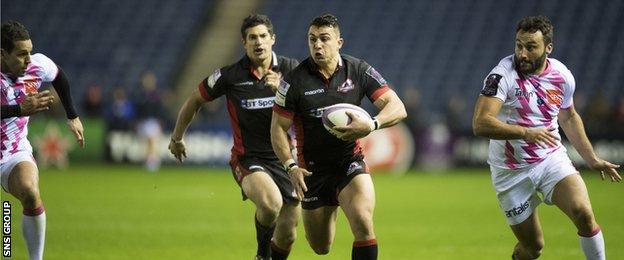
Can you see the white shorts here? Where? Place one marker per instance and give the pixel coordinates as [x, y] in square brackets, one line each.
[7, 166]
[517, 190]
[150, 128]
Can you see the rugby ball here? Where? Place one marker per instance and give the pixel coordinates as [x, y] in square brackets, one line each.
[336, 115]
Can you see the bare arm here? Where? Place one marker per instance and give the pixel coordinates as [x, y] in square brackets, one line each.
[573, 127]
[185, 116]
[485, 124]
[281, 146]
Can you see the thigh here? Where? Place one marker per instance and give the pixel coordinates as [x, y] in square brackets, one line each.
[357, 200]
[570, 195]
[516, 193]
[23, 179]
[260, 188]
[320, 224]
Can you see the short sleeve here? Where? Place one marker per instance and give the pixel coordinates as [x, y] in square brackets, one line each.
[213, 86]
[374, 84]
[285, 99]
[496, 85]
[47, 68]
[568, 91]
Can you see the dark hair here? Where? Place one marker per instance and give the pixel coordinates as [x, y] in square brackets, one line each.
[534, 23]
[255, 20]
[13, 31]
[328, 20]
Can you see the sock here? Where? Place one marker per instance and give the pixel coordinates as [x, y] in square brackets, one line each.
[263, 236]
[593, 245]
[364, 250]
[279, 253]
[33, 228]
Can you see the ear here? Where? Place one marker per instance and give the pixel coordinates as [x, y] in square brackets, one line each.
[549, 48]
[340, 42]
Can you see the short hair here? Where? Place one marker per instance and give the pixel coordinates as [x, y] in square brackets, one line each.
[534, 23]
[255, 20]
[328, 20]
[13, 31]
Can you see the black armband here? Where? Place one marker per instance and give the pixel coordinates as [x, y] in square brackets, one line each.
[61, 85]
[10, 111]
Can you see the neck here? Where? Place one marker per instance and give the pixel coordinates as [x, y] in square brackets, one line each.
[261, 63]
[328, 69]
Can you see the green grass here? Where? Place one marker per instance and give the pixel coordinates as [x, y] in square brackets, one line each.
[123, 212]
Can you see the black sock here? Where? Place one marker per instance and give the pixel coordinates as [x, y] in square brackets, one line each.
[263, 236]
[279, 253]
[364, 250]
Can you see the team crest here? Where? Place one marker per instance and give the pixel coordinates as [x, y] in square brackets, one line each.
[346, 86]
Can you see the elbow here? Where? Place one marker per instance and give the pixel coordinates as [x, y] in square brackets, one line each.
[477, 128]
[402, 114]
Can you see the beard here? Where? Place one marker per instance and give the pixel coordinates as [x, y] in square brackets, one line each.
[529, 66]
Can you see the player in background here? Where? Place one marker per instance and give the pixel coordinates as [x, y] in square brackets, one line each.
[22, 77]
[525, 99]
[149, 112]
[331, 169]
[249, 87]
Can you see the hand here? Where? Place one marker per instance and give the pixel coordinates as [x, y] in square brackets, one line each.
[541, 136]
[604, 166]
[36, 102]
[297, 175]
[358, 128]
[75, 126]
[272, 79]
[178, 149]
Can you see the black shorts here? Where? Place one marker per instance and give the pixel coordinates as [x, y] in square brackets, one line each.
[328, 179]
[243, 166]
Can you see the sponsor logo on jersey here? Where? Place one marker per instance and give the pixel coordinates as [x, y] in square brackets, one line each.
[310, 199]
[553, 96]
[245, 83]
[212, 80]
[257, 103]
[375, 75]
[316, 112]
[515, 211]
[30, 86]
[526, 94]
[314, 92]
[346, 86]
[491, 85]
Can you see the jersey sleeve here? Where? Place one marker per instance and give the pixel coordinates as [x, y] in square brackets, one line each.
[374, 84]
[568, 91]
[285, 99]
[47, 68]
[496, 84]
[213, 86]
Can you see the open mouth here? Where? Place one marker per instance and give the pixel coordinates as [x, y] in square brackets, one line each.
[258, 51]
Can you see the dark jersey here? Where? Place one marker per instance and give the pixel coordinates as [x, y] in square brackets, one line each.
[249, 102]
[305, 92]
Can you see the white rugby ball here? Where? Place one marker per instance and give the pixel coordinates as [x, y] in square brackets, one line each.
[336, 115]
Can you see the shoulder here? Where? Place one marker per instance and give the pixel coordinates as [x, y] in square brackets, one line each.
[561, 68]
[286, 64]
[300, 70]
[41, 61]
[354, 62]
[505, 66]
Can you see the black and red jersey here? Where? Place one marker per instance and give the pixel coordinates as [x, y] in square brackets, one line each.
[249, 103]
[305, 92]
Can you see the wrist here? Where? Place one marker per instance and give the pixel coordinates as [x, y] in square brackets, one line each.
[373, 124]
[176, 140]
[290, 164]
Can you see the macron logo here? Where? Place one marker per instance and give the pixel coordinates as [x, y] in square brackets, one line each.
[314, 92]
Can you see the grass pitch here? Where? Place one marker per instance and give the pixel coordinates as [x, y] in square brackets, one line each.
[124, 212]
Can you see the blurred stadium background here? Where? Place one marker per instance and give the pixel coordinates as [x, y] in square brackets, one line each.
[434, 203]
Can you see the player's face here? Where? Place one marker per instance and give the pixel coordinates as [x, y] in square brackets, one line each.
[259, 43]
[324, 43]
[531, 52]
[16, 61]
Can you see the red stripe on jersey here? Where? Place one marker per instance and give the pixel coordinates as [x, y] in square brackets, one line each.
[283, 112]
[202, 90]
[238, 148]
[299, 135]
[379, 92]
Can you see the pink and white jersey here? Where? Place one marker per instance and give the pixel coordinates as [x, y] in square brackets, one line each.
[531, 101]
[14, 130]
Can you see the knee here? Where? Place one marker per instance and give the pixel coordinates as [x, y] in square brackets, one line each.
[534, 250]
[363, 229]
[270, 208]
[28, 195]
[583, 217]
[319, 247]
[287, 239]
